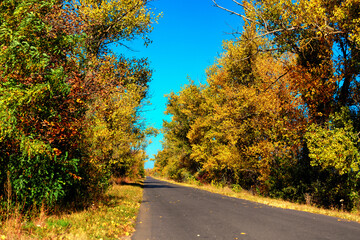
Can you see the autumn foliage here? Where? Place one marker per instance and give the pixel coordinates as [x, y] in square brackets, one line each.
[279, 114]
[69, 106]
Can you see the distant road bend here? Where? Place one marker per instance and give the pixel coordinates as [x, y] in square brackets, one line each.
[172, 212]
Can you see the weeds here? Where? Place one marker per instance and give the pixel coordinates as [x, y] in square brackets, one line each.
[111, 217]
[8, 192]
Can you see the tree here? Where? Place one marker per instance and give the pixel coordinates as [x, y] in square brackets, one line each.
[175, 155]
[106, 22]
[324, 37]
[232, 129]
[56, 69]
[334, 149]
[39, 129]
[279, 112]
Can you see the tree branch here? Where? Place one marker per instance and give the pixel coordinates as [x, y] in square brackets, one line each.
[283, 75]
[233, 12]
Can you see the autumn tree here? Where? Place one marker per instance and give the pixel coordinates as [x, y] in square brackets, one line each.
[116, 85]
[324, 37]
[334, 148]
[280, 110]
[234, 126]
[174, 160]
[58, 78]
[39, 123]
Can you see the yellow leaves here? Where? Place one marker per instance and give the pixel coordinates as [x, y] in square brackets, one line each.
[334, 146]
[236, 122]
[346, 15]
[117, 19]
[94, 10]
[313, 9]
[33, 147]
[57, 151]
[112, 136]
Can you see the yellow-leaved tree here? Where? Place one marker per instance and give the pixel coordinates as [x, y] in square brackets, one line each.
[280, 111]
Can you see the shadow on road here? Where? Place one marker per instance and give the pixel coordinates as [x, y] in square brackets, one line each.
[146, 185]
[149, 184]
[132, 184]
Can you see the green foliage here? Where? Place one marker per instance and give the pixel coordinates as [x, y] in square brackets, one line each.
[42, 179]
[69, 108]
[32, 92]
[334, 149]
[113, 141]
[336, 145]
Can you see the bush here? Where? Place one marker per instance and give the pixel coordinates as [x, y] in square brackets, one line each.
[42, 179]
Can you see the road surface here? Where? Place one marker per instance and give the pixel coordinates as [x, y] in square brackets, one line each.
[173, 212]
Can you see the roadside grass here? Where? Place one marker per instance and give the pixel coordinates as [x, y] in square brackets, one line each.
[112, 217]
[243, 194]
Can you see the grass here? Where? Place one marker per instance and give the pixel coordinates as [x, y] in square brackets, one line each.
[243, 194]
[111, 218]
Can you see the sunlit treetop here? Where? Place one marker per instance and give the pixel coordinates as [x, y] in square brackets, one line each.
[116, 21]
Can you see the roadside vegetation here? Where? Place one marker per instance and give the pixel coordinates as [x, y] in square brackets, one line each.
[70, 116]
[279, 115]
[113, 216]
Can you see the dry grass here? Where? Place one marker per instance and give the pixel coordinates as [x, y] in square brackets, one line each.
[111, 218]
[243, 194]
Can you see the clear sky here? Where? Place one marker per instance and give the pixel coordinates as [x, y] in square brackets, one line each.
[186, 40]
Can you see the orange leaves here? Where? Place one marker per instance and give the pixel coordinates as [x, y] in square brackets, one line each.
[317, 88]
[76, 177]
[57, 151]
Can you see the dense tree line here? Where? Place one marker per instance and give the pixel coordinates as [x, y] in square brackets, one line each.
[69, 106]
[280, 111]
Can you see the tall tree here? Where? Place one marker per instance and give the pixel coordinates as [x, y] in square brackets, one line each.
[280, 109]
[56, 68]
[323, 35]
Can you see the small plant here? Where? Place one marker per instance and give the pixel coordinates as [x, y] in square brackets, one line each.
[236, 188]
[8, 192]
[308, 198]
[216, 184]
[188, 178]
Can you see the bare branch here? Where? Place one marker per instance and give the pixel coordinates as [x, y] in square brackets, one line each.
[241, 5]
[283, 75]
[233, 12]
[264, 22]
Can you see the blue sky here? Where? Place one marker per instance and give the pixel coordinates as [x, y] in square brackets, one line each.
[186, 40]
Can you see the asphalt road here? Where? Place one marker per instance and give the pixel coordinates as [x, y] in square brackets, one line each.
[172, 212]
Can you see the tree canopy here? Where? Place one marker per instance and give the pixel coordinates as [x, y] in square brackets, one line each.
[69, 106]
[280, 111]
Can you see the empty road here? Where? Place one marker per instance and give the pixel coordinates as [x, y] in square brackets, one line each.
[173, 212]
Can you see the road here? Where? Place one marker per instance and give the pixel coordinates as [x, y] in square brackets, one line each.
[173, 212]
